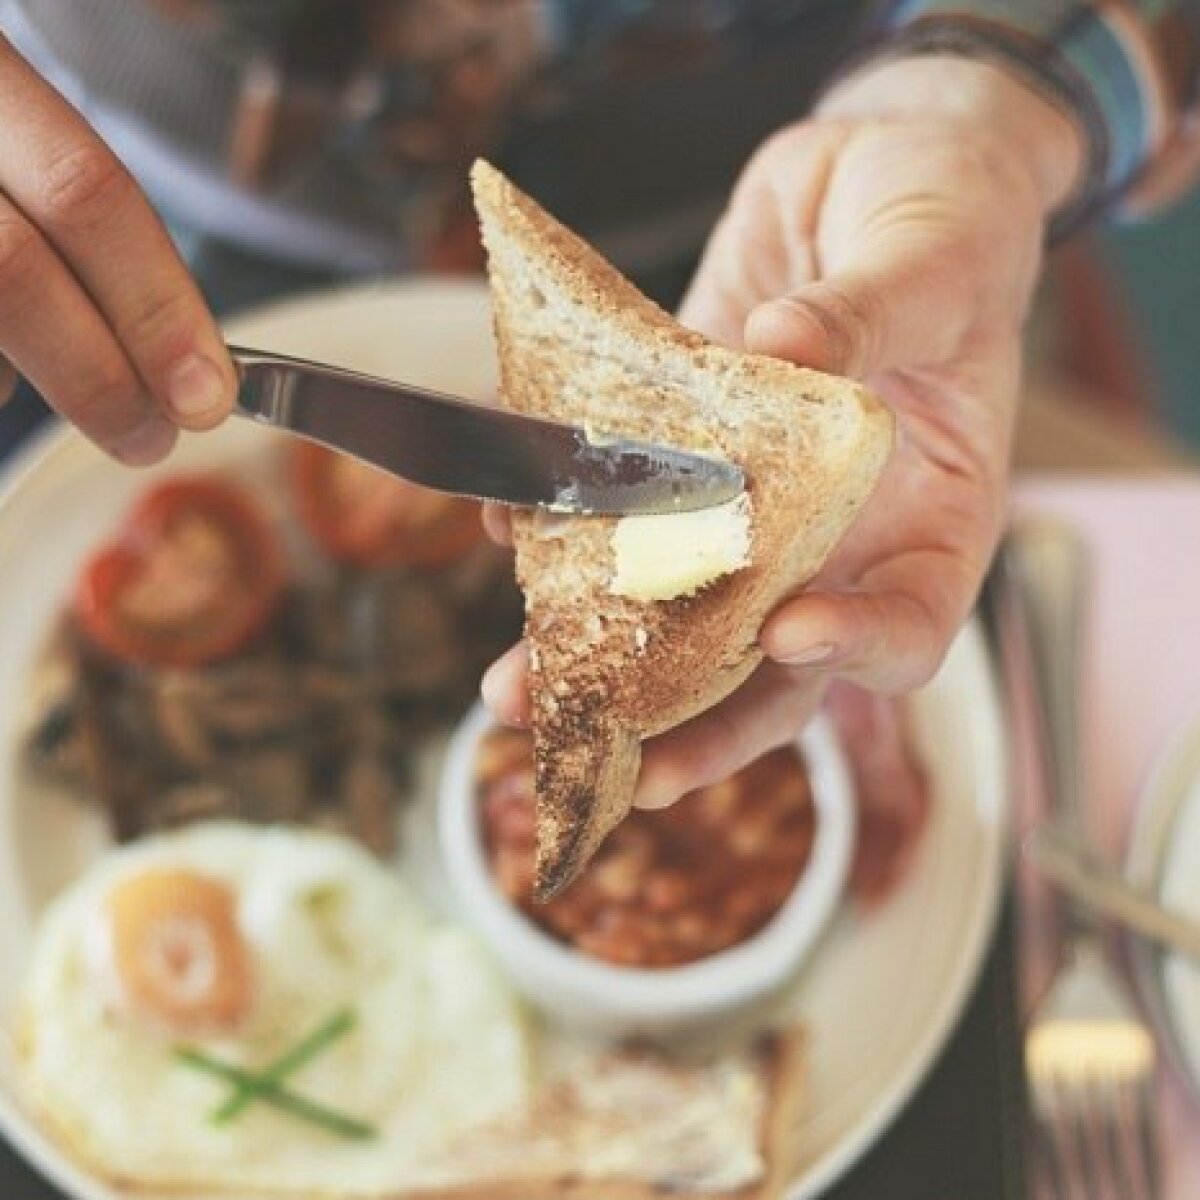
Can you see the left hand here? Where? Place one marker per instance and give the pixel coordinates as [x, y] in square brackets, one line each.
[899, 243]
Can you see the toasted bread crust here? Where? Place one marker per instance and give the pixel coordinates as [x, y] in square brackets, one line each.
[587, 764]
[578, 342]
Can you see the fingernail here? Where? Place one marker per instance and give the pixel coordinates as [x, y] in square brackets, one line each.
[810, 656]
[491, 686]
[195, 388]
[496, 688]
[650, 796]
[147, 443]
[649, 801]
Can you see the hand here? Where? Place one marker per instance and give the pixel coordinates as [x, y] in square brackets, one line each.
[97, 310]
[895, 237]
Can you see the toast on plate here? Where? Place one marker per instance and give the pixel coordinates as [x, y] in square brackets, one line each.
[628, 1125]
[609, 665]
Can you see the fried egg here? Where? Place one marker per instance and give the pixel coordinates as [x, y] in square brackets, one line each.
[237, 943]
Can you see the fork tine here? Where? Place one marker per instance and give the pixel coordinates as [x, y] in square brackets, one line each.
[1147, 1141]
[1066, 1137]
[1127, 1174]
[1124, 1109]
[1097, 1138]
[1051, 1156]
[1093, 1133]
[1100, 1150]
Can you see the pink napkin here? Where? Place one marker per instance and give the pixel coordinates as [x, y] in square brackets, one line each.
[1141, 688]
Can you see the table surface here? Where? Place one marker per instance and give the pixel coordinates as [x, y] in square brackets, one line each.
[962, 1134]
[1063, 430]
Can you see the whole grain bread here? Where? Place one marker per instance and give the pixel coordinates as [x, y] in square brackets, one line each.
[578, 342]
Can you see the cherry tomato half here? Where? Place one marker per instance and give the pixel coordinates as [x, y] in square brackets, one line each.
[194, 574]
[367, 518]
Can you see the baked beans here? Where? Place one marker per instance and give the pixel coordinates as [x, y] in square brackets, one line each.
[667, 887]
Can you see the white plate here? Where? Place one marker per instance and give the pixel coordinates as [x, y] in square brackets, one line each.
[881, 994]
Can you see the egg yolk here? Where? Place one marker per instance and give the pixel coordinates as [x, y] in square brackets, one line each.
[178, 952]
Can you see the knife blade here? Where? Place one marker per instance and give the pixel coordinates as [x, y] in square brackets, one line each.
[472, 449]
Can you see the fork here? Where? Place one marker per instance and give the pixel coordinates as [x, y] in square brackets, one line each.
[1089, 1057]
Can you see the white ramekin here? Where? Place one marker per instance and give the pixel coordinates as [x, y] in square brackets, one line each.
[589, 994]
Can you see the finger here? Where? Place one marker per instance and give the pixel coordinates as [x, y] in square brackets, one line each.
[767, 711]
[71, 187]
[717, 301]
[902, 292]
[890, 786]
[904, 306]
[51, 332]
[497, 521]
[8, 381]
[505, 687]
[761, 247]
[890, 636]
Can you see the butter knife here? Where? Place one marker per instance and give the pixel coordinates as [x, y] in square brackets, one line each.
[472, 449]
[1107, 893]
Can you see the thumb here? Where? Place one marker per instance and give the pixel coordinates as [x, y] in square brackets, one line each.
[905, 299]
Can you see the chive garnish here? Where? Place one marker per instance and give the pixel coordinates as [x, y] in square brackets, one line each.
[267, 1085]
[303, 1052]
[277, 1096]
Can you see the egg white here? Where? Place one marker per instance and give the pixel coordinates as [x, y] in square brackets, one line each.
[440, 1043]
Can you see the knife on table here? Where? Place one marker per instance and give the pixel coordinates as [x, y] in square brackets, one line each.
[472, 449]
[1105, 891]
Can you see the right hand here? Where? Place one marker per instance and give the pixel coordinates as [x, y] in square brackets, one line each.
[97, 309]
[895, 236]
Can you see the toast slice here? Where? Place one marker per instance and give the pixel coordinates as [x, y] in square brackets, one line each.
[577, 342]
[633, 1125]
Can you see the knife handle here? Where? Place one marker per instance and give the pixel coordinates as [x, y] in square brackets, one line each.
[1047, 573]
[1109, 894]
[1048, 562]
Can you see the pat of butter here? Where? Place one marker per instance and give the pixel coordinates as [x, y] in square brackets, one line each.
[674, 554]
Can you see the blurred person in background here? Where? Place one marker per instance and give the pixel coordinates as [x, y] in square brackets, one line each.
[895, 233]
